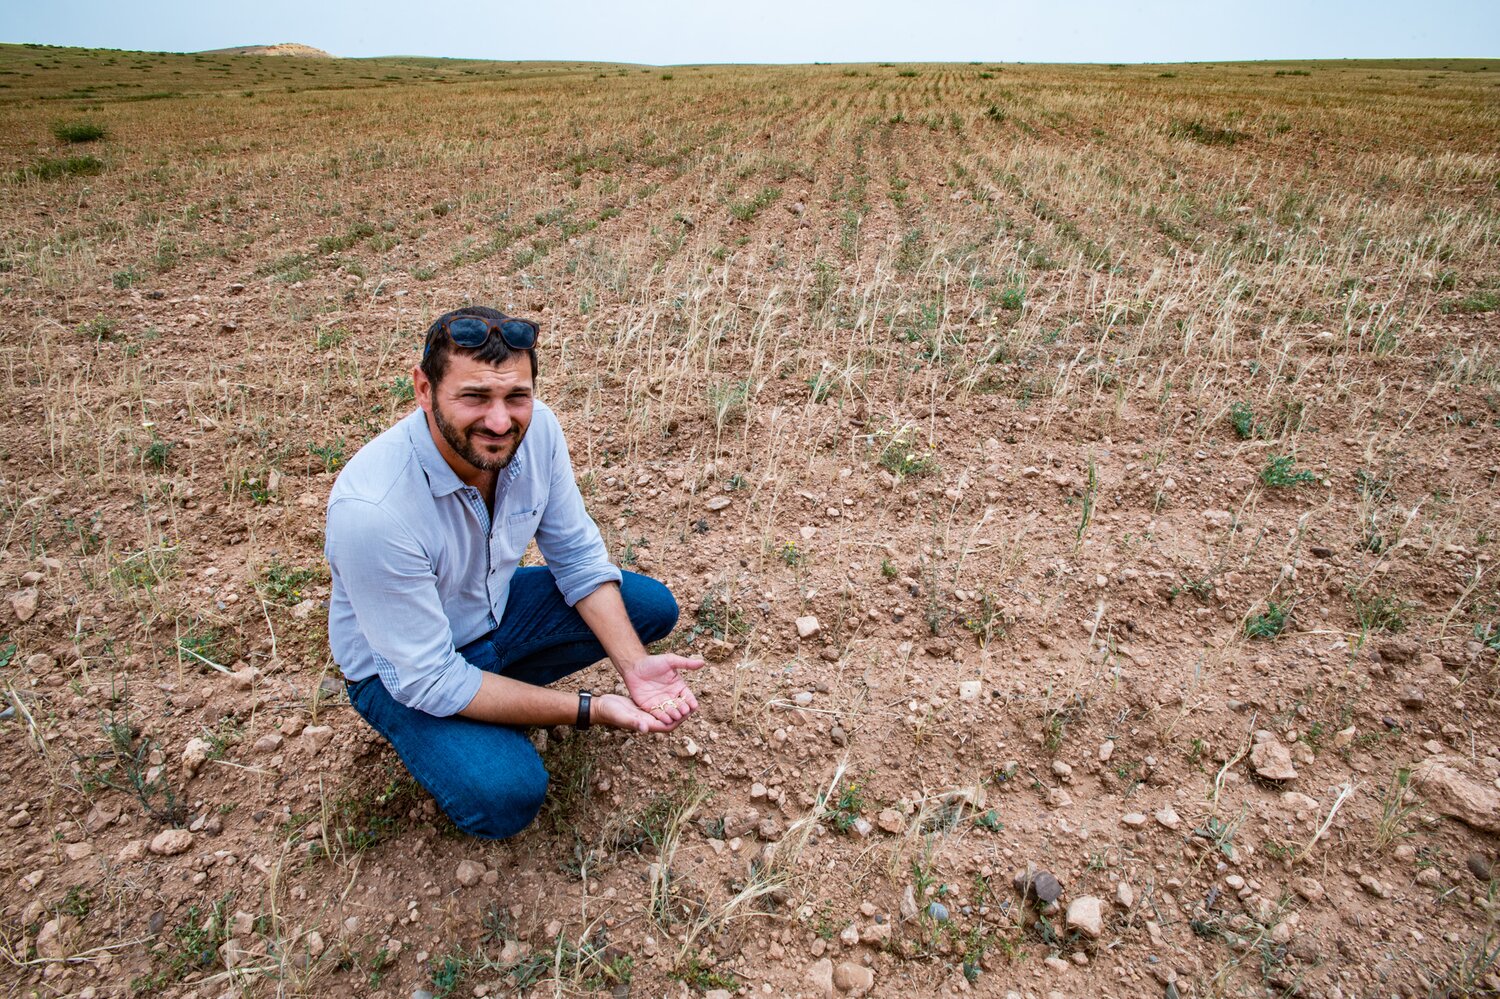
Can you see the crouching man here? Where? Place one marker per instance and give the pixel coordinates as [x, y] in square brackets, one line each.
[448, 645]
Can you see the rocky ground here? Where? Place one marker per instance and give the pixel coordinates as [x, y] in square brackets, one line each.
[1121, 626]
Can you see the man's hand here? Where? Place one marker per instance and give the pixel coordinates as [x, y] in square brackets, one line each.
[618, 712]
[657, 687]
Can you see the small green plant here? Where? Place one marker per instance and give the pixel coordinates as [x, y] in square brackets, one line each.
[99, 329]
[1380, 612]
[988, 621]
[332, 454]
[1090, 493]
[330, 338]
[283, 584]
[744, 211]
[402, 390]
[849, 805]
[53, 169]
[1281, 473]
[1270, 622]
[1394, 810]
[1203, 133]
[1013, 299]
[78, 131]
[888, 569]
[125, 765]
[718, 617]
[125, 279]
[989, 820]
[902, 457]
[1242, 420]
[157, 454]
[791, 553]
[728, 401]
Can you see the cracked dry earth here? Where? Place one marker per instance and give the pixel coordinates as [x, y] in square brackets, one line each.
[1081, 481]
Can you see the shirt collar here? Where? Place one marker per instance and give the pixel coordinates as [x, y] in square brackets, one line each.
[441, 478]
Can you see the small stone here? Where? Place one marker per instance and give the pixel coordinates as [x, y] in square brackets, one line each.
[908, 904]
[195, 754]
[19, 819]
[717, 503]
[469, 873]
[170, 842]
[1272, 760]
[861, 827]
[131, 851]
[1430, 877]
[268, 743]
[1056, 964]
[244, 679]
[512, 952]
[1479, 865]
[1046, 887]
[876, 934]
[1412, 698]
[803, 698]
[969, 690]
[819, 976]
[808, 626]
[315, 945]
[1374, 887]
[853, 979]
[23, 603]
[1106, 750]
[1308, 888]
[1455, 794]
[78, 851]
[938, 911]
[849, 935]
[1134, 820]
[891, 821]
[686, 748]
[1086, 915]
[1062, 770]
[1167, 817]
[315, 738]
[1125, 895]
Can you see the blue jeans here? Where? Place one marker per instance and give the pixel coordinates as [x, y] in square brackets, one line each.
[488, 778]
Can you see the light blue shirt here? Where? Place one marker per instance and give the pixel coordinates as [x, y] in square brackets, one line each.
[420, 567]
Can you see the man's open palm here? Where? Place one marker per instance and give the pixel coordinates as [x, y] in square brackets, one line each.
[657, 686]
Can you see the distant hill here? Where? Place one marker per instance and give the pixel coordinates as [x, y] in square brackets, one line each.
[281, 49]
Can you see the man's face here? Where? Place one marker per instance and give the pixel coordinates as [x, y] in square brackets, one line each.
[481, 412]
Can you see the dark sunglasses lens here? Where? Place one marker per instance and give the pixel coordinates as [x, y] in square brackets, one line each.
[519, 334]
[469, 332]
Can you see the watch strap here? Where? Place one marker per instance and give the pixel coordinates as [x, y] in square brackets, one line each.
[585, 700]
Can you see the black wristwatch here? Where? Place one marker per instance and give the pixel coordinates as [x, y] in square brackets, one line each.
[585, 701]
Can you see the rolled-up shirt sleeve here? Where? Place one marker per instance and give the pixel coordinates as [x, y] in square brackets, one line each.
[391, 586]
[568, 537]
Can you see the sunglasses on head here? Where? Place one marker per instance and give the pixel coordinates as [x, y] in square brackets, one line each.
[473, 331]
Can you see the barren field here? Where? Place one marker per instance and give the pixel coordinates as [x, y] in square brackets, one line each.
[1083, 481]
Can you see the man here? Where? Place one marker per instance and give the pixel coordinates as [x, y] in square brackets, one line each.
[446, 643]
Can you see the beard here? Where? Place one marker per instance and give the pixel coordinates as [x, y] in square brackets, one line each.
[475, 445]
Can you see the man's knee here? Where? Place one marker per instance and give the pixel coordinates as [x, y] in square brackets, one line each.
[651, 606]
[504, 805]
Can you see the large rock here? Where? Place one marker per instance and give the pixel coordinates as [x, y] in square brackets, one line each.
[469, 873]
[1272, 760]
[1452, 792]
[1086, 915]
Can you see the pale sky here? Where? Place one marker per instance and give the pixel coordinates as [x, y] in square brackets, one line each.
[663, 32]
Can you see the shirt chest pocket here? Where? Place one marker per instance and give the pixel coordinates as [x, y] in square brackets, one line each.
[520, 528]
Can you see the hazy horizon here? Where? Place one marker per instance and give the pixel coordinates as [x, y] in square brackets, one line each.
[676, 32]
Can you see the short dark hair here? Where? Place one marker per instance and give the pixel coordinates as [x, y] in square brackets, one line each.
[493, 351]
